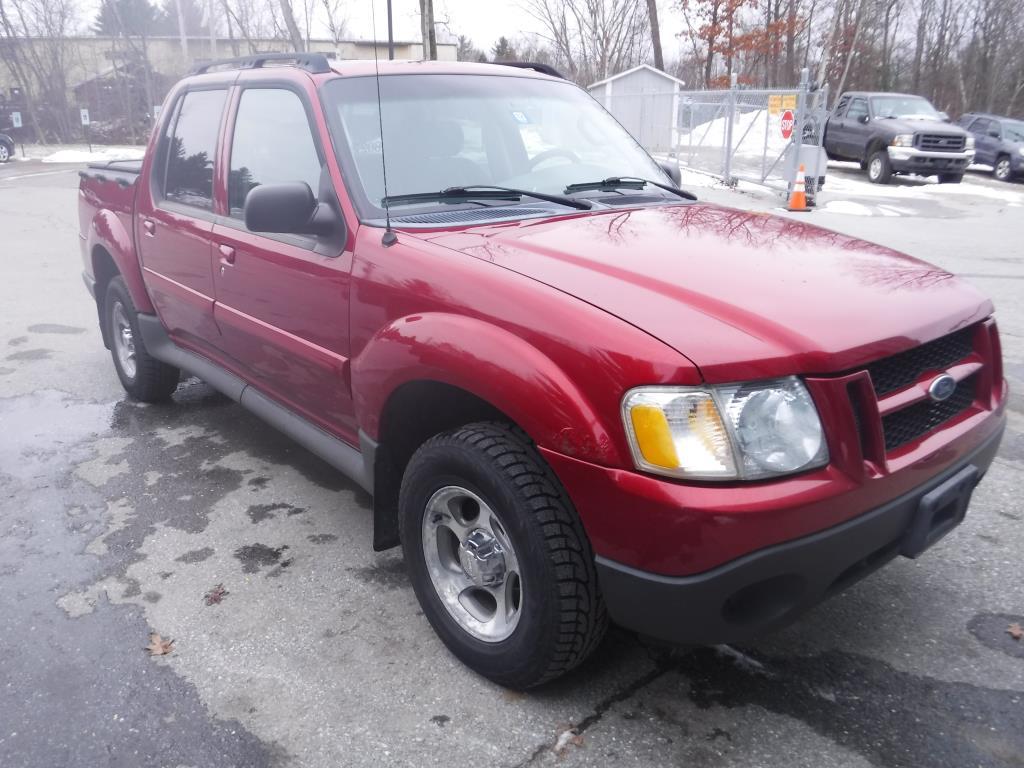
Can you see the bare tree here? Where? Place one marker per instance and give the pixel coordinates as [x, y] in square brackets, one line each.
[294, 34]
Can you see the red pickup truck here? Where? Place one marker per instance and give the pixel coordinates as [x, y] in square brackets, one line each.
[574, 392]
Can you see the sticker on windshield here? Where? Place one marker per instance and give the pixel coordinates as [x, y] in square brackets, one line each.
[521, 117]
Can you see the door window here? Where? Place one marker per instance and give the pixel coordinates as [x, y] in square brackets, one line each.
[272, 143]
[858, 109]
[981, 126]
[192, 146]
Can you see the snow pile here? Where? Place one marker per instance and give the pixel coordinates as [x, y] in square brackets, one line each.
[748, 134]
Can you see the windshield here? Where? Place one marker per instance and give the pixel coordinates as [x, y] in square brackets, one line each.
[903, 106]
[445, 131]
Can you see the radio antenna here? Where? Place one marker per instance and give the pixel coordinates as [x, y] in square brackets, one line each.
[389, 238]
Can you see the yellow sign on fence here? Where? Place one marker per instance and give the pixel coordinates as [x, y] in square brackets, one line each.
[774, 104]
[789, 101]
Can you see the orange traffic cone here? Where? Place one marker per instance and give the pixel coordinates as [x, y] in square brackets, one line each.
[798, 198]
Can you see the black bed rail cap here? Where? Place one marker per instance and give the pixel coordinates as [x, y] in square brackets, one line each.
[544, 69]
[316, 63]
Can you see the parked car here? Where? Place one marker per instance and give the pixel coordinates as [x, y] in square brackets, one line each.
[998, 141]
[6, 147]
[573, 391]
[890, 133]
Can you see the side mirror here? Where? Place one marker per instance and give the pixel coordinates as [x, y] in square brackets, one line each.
[287, 207]
[944, 117]
[994, 134]
[672, 170]
[864, 119]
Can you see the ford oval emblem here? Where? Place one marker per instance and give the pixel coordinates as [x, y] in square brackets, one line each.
[942, 388]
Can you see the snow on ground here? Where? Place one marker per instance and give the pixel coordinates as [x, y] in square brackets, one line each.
[917, 187]
[98, 154]
[78, 153]
[850, 208]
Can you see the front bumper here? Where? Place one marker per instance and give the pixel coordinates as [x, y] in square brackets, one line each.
[769, 588]
[911, 160]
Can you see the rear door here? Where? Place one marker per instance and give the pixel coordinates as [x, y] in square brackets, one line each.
[855, 132]
[282, 301]
[174, 217]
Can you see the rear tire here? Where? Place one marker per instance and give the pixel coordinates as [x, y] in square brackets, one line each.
[5, 153]
[879, 168]
[465, 491]
[143, 377]
[1002, 169]
[950, 178]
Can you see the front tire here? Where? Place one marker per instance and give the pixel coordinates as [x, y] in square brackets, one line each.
[143, 377]
[879, 167]
[1002, 170]
[498, 558]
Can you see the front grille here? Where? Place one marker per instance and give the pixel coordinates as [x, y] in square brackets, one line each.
[903, 369]
[910, 423]
[938, 143]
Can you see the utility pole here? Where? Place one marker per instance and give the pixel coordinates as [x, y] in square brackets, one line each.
[213, 30]
[391, 35]
[181, 33]
[427, 22]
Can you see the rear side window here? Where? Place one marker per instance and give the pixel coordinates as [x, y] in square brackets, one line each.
[193, 145]
[272, 143]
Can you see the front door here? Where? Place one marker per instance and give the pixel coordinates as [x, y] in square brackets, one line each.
[174, 219]
[986, 145]
[282, 301]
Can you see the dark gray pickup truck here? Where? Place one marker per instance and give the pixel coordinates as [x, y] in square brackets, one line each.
[889, 133]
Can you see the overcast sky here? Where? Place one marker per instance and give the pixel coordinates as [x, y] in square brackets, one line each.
[483, 21]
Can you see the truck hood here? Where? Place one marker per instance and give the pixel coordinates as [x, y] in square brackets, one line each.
[935, 127]
[743, 295]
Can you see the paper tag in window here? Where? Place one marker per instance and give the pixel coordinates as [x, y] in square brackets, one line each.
[521, 117]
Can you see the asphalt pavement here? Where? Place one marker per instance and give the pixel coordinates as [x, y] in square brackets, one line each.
[118, 519]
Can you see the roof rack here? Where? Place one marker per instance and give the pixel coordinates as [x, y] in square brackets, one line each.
[544, 69]
[316, 63]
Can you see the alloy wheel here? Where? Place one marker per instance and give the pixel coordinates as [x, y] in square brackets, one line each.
[472, 564]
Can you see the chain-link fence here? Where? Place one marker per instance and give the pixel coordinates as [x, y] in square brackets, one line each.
[761, 136]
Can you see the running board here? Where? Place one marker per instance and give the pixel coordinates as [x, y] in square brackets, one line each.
[355, 464]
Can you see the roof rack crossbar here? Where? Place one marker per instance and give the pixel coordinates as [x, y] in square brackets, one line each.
[544, 69]
[315, 63]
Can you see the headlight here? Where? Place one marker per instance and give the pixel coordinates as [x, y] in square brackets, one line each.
[903, 140]
[728, 432]
[1020, 150]
[970, 143]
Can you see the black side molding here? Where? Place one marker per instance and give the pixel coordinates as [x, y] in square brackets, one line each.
[339, 454]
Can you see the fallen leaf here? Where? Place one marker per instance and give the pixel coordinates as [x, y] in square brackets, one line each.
[216, 594]
[1015, 630]
[158, 646]
[565, 738]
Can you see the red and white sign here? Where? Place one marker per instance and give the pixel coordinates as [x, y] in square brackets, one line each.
[787, 123]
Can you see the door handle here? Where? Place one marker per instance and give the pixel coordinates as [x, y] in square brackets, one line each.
[227, 254]
[149, 226]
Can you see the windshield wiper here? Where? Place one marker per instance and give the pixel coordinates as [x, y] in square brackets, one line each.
[613, 183]
[483, 192]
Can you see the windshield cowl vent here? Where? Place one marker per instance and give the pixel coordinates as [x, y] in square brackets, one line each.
[477, 214]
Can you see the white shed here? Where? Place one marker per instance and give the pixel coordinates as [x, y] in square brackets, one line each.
[646, 101]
